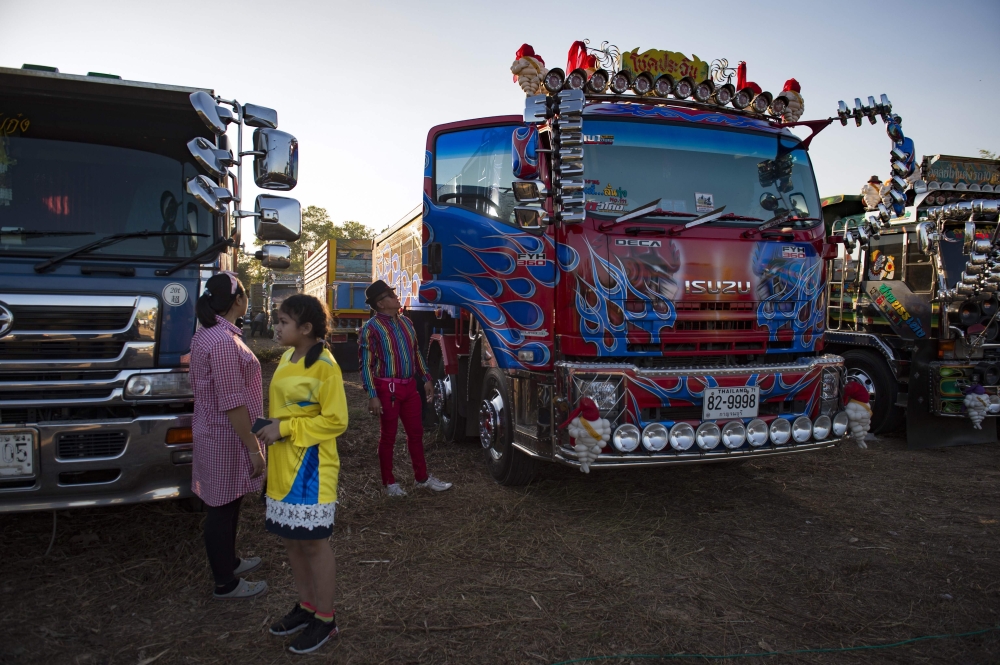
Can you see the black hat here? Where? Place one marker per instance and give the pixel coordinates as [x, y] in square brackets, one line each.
[376, 291]
[874, 178]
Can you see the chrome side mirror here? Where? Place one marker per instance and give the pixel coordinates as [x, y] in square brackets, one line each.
[214, 116]
[968, 238]
[208, 194]
[529, 191]
[214, 160]
[260, 116]
[276, 257]
[927, 238]
[277, 218]
[530, 218]
[276, 159]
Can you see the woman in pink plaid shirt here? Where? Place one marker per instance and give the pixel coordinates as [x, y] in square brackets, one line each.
[228, 460]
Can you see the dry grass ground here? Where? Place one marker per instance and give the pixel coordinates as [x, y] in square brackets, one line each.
[840, 548]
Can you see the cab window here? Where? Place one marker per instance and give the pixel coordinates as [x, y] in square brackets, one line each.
[473, 170]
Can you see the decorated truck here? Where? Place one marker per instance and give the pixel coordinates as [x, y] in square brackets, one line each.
[913, 307]
[629, 274]
[338, 272]
[114, 211]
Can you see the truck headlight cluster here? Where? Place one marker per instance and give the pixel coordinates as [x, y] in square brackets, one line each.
[163, 384]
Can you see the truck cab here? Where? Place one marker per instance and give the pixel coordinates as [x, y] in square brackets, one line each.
[109, 229]
[660, 256]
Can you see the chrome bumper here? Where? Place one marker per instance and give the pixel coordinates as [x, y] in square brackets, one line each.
[146, 469]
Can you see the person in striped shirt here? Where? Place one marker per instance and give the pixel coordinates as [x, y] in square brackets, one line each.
[391, 363]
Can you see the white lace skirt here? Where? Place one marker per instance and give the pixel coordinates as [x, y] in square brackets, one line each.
[298, 521]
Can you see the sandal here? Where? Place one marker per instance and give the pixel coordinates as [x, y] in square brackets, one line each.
[243, 590]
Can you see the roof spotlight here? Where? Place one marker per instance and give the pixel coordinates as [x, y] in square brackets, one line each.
[684, 88]
[643, 84]
[621, 82]
[598, 82]
[742, 98]
[664, 85]
[762, 102]
[703, 91]
[724, 94]
[778, 105]
[554, 80]
[576, 80]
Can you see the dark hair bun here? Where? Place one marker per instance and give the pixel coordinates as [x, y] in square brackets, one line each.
[305, 309]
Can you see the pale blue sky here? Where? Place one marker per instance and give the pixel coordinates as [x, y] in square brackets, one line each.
[360, 84]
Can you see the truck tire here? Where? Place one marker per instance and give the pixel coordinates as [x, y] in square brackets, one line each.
[508, 465]
[451, 426]
[874, 374]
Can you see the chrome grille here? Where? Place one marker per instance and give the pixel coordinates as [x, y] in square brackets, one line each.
[33, 317]
[85, 445]
[29, 349]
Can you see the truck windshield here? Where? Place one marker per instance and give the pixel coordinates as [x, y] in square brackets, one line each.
[57, 195]
[694, 170]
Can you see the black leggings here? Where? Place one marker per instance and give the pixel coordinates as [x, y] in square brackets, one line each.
[220, 540]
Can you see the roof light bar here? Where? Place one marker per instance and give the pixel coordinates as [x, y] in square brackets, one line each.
[703, 91]
[664, 85]
[576, 80]
[621, 82]
[554, 80]
[724, 94]
[643, 84]
[598, 82]
[684, 88]
[762, 102]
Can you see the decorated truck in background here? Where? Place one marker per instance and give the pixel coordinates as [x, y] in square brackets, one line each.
[338, 272]
[913, 308]
[646, 239]
[114, 211]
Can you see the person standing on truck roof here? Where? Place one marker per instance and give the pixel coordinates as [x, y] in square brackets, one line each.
[228, 461]
[308, 410]
[391, 363]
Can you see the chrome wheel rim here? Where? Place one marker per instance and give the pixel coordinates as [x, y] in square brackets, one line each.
[862, 377]
[443, 400]
[492, 434]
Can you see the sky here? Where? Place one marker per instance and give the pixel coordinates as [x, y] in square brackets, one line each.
[360, 84]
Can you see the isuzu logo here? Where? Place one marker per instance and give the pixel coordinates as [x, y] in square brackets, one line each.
[6, 320]
[696, 286]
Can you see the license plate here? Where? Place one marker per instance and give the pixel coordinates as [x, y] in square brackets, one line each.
[17, 453]
[720, 403]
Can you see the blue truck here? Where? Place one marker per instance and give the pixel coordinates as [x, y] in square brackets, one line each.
[117, 203]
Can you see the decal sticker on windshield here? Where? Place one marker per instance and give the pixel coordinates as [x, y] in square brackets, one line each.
[175, 294]
[704, 202]
[599, 139]
[883, 266]
[13, 125]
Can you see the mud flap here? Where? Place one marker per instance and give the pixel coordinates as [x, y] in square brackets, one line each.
[926, 430]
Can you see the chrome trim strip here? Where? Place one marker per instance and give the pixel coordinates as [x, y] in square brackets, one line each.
[116, 385]
[813, 362]
[68, 300]
[133, 355]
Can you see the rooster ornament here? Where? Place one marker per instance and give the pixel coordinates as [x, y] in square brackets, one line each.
[859, 414]
[528, 70]
[589, 431]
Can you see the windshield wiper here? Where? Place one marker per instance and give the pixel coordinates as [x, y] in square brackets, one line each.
[646, 210]
[697, 221]
[776, 221]
[18, 231]
[109, 240]
[221, 244]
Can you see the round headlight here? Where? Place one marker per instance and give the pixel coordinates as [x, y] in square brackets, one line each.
[664, 85]
[734, 434]
[626, 438]
[840, 423]
[821, 428]
[598, 82]
[761, 102]
[643, 84]
[140, 386]
[655, 437]
[724, 94]
[576, 80]
[779, 105]
[757, 432]
[707, 436]
[681, 436]
[781, 431]
[684, 88]
[620, 83]
[554, 80]
[703, 91]
[742, 98]
[801, 429]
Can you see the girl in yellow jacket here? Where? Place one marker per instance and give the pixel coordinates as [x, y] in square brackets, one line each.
[308, 412]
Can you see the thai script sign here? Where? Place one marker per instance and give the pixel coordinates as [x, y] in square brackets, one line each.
[908, 314]
[942, 168]
[665, 62]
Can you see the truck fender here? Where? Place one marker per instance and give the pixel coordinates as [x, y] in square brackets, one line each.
[448, 350]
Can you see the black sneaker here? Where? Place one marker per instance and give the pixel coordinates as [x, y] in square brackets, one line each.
[292, 622]
[316, 634]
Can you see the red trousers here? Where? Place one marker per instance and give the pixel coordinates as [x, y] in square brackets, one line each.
[401, 400]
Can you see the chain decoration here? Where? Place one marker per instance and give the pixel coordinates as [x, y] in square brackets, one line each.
[721, 72]
[608, 56]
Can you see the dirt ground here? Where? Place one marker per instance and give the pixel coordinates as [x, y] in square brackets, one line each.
[841, 548]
